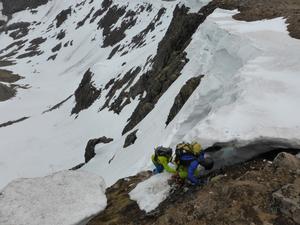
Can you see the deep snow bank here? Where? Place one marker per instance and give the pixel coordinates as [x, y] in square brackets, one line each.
[250, 88]
[64, 198]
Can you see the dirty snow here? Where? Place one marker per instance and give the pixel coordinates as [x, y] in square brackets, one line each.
[64, 198]
[151, 192]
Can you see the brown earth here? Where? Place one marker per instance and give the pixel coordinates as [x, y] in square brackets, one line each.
[253, 193]
[261, 9]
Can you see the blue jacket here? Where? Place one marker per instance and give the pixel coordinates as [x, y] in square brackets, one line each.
[192, 164]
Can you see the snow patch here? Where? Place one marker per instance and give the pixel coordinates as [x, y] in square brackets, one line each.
[64, 198]
[194, 5]
[151, 192]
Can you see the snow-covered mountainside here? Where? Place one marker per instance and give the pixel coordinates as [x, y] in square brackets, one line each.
[131, 75]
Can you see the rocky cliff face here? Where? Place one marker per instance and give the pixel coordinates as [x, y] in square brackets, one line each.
[13, 6]
[259, 192]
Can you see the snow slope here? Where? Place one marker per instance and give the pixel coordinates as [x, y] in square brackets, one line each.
[64, 198]
[48, 142]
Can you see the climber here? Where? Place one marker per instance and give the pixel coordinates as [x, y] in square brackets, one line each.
[161, 158]
[188, 158]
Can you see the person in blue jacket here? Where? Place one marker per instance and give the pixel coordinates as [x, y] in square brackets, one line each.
[188, 162]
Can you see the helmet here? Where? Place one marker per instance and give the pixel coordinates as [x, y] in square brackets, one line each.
[207, 163]
[196, 147]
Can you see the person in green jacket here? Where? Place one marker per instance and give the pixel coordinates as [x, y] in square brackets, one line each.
[161, 159]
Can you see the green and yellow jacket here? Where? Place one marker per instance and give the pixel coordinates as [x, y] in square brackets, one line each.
[164, 161]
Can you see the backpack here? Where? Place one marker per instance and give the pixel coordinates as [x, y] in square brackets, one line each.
[162, 151]
[184, 148]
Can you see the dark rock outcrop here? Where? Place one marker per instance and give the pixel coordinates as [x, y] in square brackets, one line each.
[287, 200]
[57, 47]
[61, 35]
[13, 6]
[123, 83]
[29, 54]
[139, 39]
[19, 29]
[58, 105]
[13, 121]
[86, 93]
[35, 43]
[118, 34]
[185, 92]
[6, 92]
[82, 22]
[18, 44]
[77, 167]
[8, 77]
[168, 62]
[130, 139]
[104, 6]
[111, 17]
[52, 57]
[62, 17]
[90, 147]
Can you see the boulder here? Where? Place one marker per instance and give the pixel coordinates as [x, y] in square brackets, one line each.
[287, 200]
[286, 161]
[90, 147]
[130, 139]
